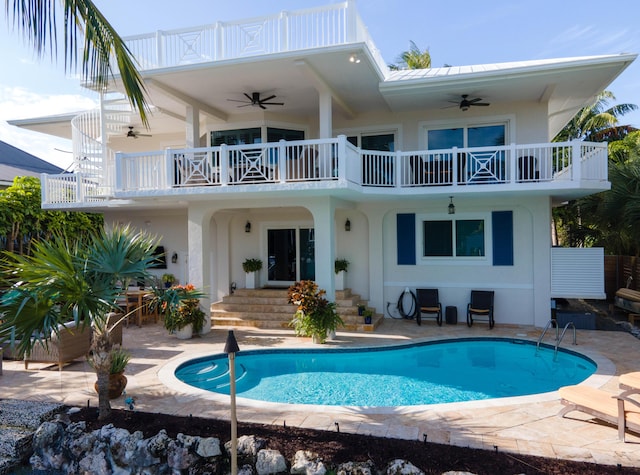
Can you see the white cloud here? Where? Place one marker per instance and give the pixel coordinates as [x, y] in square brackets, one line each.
[21, 103]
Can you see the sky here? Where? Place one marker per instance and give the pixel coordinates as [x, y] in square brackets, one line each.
[456, 32]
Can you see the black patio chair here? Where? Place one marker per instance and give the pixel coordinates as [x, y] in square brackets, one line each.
[429, 303]
[481, 304]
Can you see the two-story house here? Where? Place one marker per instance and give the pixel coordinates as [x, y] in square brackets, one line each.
[287, 138]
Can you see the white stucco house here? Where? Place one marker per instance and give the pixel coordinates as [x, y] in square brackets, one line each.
[287, 138]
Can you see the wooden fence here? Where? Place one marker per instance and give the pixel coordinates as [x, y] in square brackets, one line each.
[617, 270]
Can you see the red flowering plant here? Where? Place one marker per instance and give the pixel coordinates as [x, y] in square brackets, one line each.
[180, 305]
[315, 315]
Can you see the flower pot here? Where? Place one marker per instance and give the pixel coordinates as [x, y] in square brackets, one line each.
[117, 383]
[184, 333]
[367, 320]
[340, 280]
[251, 280]
[331, 335]
[318, 339]
[360, 311]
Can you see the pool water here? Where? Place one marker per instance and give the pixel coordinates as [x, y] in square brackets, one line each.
[426, 373]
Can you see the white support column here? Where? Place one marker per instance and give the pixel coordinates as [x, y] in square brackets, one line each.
[323, 213]
[193, 127]
[199, 268]
[325, 110]
[375, 219]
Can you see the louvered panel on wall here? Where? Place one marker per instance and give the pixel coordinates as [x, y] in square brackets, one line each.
[577, 273]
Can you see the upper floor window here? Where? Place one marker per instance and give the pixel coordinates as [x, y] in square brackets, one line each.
[470, 136]
[379, 142]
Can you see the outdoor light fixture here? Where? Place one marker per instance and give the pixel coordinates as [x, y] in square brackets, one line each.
[247, 227]
[451, 208]
[231, 348]
[354, 59]
[174, 257]
[347, 225]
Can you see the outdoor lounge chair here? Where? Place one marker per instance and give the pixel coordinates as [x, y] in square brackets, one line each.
[428, 302]
[481, 304]
[618, 410]
[69, 344]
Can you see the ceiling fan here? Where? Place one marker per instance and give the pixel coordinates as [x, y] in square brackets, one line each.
[134, 134]
[465, 103]
[255, 100]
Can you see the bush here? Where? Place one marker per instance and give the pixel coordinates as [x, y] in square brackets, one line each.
[315, 315]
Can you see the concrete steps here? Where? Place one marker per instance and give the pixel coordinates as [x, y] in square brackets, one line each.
[268, 308]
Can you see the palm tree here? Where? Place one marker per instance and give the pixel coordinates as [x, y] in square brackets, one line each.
[414, 58]
[596, 122]
[82, 22]
[65, 281]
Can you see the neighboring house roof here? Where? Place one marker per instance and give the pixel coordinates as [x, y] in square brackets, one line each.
[15, 162]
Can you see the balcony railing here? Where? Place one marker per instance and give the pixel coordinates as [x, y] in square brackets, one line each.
[330, 25]
[333, 162]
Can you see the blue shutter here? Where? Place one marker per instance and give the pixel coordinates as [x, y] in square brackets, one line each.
[502, 225]
[406, 239]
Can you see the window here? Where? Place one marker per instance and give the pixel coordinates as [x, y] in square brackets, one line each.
[453, 238]
[379, 142]
[476, 136]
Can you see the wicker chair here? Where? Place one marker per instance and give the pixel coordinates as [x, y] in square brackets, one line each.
[69, 344]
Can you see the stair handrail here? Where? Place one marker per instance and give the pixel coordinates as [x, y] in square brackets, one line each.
[575, 341]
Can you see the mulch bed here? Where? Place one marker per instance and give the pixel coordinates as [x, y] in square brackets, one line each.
[338, 447]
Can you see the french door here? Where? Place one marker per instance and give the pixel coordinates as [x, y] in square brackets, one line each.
[291, 254]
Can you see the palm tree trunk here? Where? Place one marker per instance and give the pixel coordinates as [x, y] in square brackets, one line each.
[101, 356]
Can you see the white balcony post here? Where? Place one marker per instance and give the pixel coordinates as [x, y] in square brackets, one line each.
[224, 165]
[79, 188]
[282, 160]
[218, 34]
[513, 163]
[159, 49]
[119, 172]
[454, 166]
[576, 161]
[342, 159]
[284, 31]
[351, 22]
[169, 168]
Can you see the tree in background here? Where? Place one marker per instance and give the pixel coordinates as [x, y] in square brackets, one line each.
[82, 24]
[413, 58]
[23, 221]
[604, 219]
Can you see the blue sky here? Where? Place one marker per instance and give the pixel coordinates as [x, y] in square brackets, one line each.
[456, 32]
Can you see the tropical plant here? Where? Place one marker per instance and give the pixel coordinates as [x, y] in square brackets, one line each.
[83, 22]
[341, 265]
[180, 305]
[413, 58]
[119, 360]
[65, 280]
[251, 265]
[315, 315]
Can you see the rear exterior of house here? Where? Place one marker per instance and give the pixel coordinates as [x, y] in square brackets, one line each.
[287, 138]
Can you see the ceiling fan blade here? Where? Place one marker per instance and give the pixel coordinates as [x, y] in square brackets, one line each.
[239, 100]
[473, 101]
[267, 98]
[249, 97]
[261, 106]
[272, 103]
[480, 104]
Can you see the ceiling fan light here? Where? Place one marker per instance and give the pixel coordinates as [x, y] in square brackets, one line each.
[464, 107]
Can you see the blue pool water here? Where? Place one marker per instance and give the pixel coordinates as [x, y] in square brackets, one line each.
[425, 373]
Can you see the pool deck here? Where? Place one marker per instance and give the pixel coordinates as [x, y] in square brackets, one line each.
[528, 425]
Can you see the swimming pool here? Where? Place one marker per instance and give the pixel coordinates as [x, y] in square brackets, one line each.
[417, 374]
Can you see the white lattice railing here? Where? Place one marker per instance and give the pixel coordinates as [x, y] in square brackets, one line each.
[334, 160]
[330, 25]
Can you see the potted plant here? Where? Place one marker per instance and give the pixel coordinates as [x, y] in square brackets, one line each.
[361, 309]
[368, 316]
[251, 267]
[181, 307]
[340, 267]
[117, 380]
[315, 316]
[168, 280]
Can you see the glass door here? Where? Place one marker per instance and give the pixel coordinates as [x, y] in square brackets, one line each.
[291, 255]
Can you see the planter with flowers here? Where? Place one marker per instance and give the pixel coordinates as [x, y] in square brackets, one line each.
[340, 266]
[251, 268]
[180, 305]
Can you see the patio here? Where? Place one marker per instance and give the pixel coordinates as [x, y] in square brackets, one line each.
[519, 425]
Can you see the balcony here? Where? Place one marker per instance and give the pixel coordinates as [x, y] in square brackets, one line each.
[332, 164]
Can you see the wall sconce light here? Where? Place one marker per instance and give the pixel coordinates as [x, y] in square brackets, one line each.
[174, 257]
[451, 208]
[347, 225]
[247, 227]
[354, 59]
